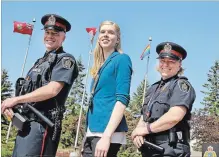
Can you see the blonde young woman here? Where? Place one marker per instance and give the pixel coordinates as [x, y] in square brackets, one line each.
[111, 73]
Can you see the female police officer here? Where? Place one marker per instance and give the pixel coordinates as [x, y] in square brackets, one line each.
[167, 107]
[46, 87]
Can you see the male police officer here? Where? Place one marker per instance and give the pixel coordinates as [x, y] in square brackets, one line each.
[46, 87]
[167, 107]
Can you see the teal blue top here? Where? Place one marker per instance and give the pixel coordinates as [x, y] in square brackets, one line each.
[113, 85]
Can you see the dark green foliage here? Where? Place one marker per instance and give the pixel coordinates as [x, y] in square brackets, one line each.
[6, 85]
[71, 117]
[137, 98]
[132, 118]
[6, 92]
[129, 150]
[205, 121]
[69, 128]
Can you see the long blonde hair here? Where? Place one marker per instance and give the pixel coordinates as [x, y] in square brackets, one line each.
[98, 51]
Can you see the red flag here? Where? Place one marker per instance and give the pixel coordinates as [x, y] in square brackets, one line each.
[92, 31]
[23, 28]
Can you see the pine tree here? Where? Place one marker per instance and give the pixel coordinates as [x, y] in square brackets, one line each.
[75, 97]
[132, 117]
[6, 85]
[129, 150]
[6, 92]
[211, 100]
[73, 104]
[137, 98]
[205, 121]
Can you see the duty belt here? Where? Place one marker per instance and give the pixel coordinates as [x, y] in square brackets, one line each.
[33, 117]
[162, 137]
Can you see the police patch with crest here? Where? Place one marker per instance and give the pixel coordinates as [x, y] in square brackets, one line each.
[67, 62]
[184, 86]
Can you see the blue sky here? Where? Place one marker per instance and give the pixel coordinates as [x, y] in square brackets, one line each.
[194, 25]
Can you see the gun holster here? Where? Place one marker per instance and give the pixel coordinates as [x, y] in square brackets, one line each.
[20, 121]
[172, 136]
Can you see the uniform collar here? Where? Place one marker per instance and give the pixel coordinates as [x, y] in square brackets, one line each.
[169, 79]
[60, 49]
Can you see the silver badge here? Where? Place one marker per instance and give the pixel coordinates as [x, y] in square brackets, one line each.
[167, 48]
[179, 135]
[52, 20]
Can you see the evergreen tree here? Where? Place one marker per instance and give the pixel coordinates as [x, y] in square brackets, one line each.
[205, 121]
[129, 150]
[69, 129]
[137, 98]
[75, 97]
[211, 99]
[6, 85]
[6, 92]
[71, 118]
[132, 118]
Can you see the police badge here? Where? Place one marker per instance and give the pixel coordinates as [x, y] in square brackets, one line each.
[167, 48]
[52, 20]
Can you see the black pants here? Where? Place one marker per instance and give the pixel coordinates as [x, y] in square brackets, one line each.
[90, 145]
[179, 150]
[35, 142]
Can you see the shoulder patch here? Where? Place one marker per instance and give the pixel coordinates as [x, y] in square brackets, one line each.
[184, 86]
[67, 62]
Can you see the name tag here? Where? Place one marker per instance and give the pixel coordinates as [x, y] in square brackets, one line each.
[38, 70]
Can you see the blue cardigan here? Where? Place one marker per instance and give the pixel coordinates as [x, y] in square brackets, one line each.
[113, 85]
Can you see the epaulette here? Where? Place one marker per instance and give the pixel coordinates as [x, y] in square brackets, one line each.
[158, 82]
[183, 77]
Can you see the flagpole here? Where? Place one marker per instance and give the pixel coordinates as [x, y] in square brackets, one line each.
[82, 102]
[146, 74]
[22, 72]
[25, 57]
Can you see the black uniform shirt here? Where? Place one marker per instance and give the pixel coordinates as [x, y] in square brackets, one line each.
[64, 69]
[175, 91]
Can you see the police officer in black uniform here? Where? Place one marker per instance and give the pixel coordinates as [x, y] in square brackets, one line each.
[45, 87]
[167, 107]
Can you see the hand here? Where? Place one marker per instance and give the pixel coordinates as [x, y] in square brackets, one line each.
[8, 103]
[138, 141]
[139, 131]
[102, 147]
[9, 114]
[141, 124]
